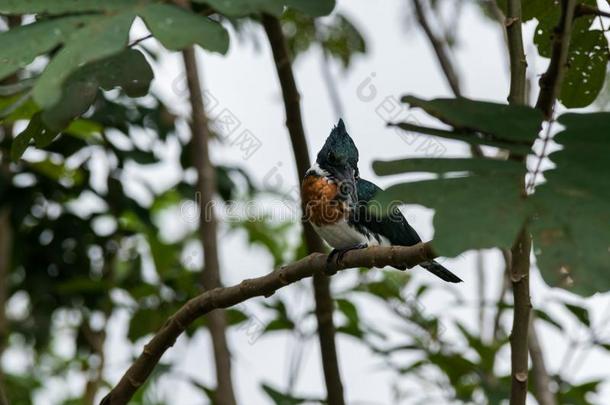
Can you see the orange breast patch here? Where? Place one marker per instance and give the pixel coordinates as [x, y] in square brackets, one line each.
[320, 205]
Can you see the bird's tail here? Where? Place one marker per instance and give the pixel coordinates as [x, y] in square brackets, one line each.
[438, 270]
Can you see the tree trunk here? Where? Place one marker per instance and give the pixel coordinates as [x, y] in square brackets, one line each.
[321, 283]
[206, 188]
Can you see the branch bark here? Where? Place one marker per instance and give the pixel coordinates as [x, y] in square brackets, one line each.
[314, 264]
[550, 82]
[206, 187]
[519, 276]
[520, 252]
[518, 63]
[321, 283]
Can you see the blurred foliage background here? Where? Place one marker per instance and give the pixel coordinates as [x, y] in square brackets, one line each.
[76, 247]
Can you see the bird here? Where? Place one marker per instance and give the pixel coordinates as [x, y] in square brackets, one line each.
[336, 199]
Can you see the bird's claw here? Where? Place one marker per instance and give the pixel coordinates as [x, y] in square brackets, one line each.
[331, 268]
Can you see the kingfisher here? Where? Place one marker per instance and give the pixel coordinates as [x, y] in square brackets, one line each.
[336, 199]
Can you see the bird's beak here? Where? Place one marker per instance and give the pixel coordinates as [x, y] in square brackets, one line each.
[347, 184]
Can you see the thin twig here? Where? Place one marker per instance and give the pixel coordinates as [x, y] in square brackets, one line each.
[542, 380]
[547, 137]
[137, 41]
[314, 264]
[439, 48]
[496, 329]
[481, 290]
[550, 82]
[321, 283]
[585, 9]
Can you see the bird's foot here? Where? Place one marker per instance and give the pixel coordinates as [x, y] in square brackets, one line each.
[331, 268]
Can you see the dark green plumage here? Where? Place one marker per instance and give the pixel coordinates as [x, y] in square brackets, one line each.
[393, 226]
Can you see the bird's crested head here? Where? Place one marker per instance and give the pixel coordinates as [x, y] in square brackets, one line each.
[339, 150]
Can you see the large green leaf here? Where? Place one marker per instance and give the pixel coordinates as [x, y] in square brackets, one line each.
[19, 46]
[241, 8]
[463, 136]
[64, 6]
[101, 38]
[128, 70]
[509, 123]
[469, 209]
[176, 28]
[314, 8]
[429, 165]
[572, 226]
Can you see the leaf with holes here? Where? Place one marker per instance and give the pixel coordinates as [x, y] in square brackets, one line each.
[586, 71]
[572, 223]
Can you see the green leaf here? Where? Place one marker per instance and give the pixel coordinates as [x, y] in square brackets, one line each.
[470, 138]
[508, 123]
[581, 313]
[544, 316]
[313, 8]
[586, 71]
[443, 166]
[64, 6]
[571, 232]
[476, 203]
[128, 70]
[342, 40]
[103, 37]
[176, 28]
[20, 45]
[22, 141]
[241, 8]
[280, 398]
[587, 57]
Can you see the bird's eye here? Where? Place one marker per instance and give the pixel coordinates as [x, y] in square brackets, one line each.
[331, 157]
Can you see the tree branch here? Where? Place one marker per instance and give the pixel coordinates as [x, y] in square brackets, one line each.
[550, 82]
[314, 264]
[440, 49]
[518, 63]
[585, 9]
[206, 187]
[519, 276]
[321, 283]
[519, 257]
[444, 60]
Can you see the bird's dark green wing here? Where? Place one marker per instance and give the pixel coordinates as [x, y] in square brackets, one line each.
[393, 226]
